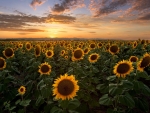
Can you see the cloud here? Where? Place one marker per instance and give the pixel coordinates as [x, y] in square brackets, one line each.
[130, 9]
[67, 6]
[35, 3]
[24, 33]
[20, 13]
[60, 19]
[106, 7]
[23, 22]
[145, 17]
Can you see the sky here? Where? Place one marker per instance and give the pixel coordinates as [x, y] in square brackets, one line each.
[105, 19]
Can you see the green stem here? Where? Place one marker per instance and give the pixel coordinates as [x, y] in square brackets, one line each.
[22, 100]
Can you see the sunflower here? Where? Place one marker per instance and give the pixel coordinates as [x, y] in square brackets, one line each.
[28, 45]
[93, 57]
[62, 52]
[37, 50]
[2, 63]
[66, 56]
[107, 46]
[99, 45]
[8, 52]
[92, 45]
[113, 49]
[134, 44]
[22, 90]
[49, 53]
[20, 45]
[133, 58]
[44, 68]
[144, 62]
[65, 87]
[77, 54]
[123, 68]
[48, 45]
[86, 50]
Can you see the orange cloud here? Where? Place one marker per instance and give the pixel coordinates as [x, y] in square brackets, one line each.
[35, 3]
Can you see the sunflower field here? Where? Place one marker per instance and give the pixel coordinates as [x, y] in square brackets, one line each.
[75, 76]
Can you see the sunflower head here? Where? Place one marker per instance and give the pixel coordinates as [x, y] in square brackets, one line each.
[37, 50]
[8, 52]
[22, 90]
[92, 45]
[113, 49]
[49, 45]
[62, 52]
[66, 57]
[86, 50]
[99, 45]
[123, 68]
[65, 87]
[144, 62]
[133, 58]
[2, 63]
[44, 68]
[93, 57]
[20, 45]
[134, 44]
[49, 53]
[28, 46]
[77, 54]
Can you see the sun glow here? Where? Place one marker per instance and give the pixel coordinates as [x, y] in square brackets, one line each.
[53, 33]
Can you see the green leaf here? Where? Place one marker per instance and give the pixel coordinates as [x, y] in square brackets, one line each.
[126, 84]
[127, 100]
[105, 100]
[39, 101]
[17, 102]
[56, 110]
[64, 103]
[83, 108]
[137, 85]
[141, 87]
[13, 107]
[142, 104]
[143, 75]
[109, 110]
[114, 89]
[104, 88]
[73, 111]
[111, 78]
[21, 111]
[46, 92]
[25, 102]
[145, 90]
[73, 104]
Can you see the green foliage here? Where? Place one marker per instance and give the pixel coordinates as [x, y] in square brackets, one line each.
[99, 88]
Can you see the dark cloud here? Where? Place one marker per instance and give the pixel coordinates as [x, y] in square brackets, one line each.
[111, 7]
[23, 33]
[66, 5]
[20, 13]
[132, 7]
[60, 18]
[140, 5]
[14, 22]
[35, 3]
[145, 17]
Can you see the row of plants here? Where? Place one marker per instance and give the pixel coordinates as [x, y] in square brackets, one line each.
[74, 76]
